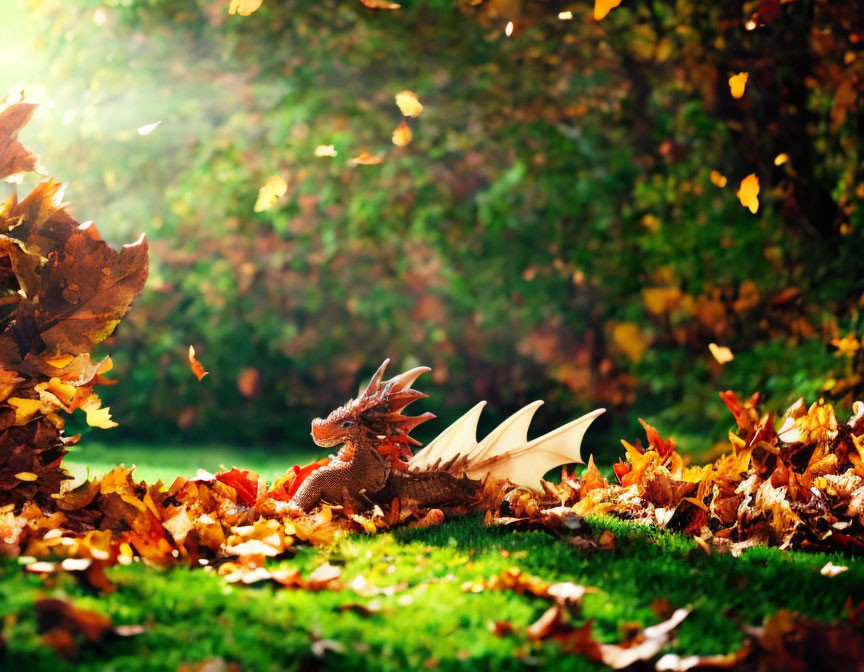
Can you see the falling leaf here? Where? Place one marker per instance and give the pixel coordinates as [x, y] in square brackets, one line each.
[195, 365]
[748, 192]
[402, 135]
[365, 159]
[244, 7]
[566, 15]
[721, 353]
[781, 158]
[322, 151]
[408, 103]
[274, 189]
[148, 128]
[831, 570]
[603, 7]
[718, 179]
[96, 415]
[737, 84]
[508, 29]
[380, 4]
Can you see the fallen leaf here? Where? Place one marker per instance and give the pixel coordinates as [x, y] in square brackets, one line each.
[195, 365]
[781, 158]
[831, 570]
[324, 576]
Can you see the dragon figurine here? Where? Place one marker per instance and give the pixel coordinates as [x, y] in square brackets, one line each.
[376, 465]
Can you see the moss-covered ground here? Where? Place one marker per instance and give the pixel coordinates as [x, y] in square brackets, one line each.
[191, 615]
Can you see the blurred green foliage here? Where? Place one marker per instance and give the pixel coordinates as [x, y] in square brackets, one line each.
[552, 231]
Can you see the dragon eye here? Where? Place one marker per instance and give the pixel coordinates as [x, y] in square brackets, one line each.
[347, 423]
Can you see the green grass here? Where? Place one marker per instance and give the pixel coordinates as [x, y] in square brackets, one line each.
[166, 462]
[192, 615]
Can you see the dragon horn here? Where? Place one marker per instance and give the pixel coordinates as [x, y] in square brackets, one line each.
[405, 380]
[375, 384]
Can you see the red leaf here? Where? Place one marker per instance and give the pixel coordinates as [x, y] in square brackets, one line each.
[247, 489]
[621, 469]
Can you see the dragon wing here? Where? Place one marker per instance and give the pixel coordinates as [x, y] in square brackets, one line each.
[505, 453]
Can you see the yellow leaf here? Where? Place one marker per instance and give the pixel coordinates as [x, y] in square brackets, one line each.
[380, 4]
[603, 7]
[402, 135]
[721, 353]
[322, 151]
[274, 189]
[25, 409]
[105, 365]
[409, 104]
[781, 158]
[718, 179]
[748, 192]
[737, 84]
[631, 340]
[60, 361]
[565, 15]
[96, 415]
[26, 476]
[244, 7]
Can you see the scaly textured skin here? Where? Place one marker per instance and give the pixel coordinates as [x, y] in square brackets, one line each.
[357, 473]
[369, 468]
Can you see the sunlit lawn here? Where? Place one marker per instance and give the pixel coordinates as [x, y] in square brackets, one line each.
[165, 462]
[192, 616]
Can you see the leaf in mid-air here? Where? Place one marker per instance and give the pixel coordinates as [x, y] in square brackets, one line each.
[244, 7]
[748, 192]
[195, 365]
[737, 84]
[274, 189]
[721, 353]
[408, 103]
[603, 7]
[402, 135]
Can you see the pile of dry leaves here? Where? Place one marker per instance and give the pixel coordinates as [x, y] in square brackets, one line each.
[62, 291]
[800, 486]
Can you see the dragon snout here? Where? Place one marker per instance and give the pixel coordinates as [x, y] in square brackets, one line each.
[323, 434]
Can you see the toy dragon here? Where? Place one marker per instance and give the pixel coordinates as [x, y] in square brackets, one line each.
[375, 464]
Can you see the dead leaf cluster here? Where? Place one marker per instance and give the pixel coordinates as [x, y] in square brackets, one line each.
[796, 485]
[62, 291]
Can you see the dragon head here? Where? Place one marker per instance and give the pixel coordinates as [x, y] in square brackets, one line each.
[376, 413]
